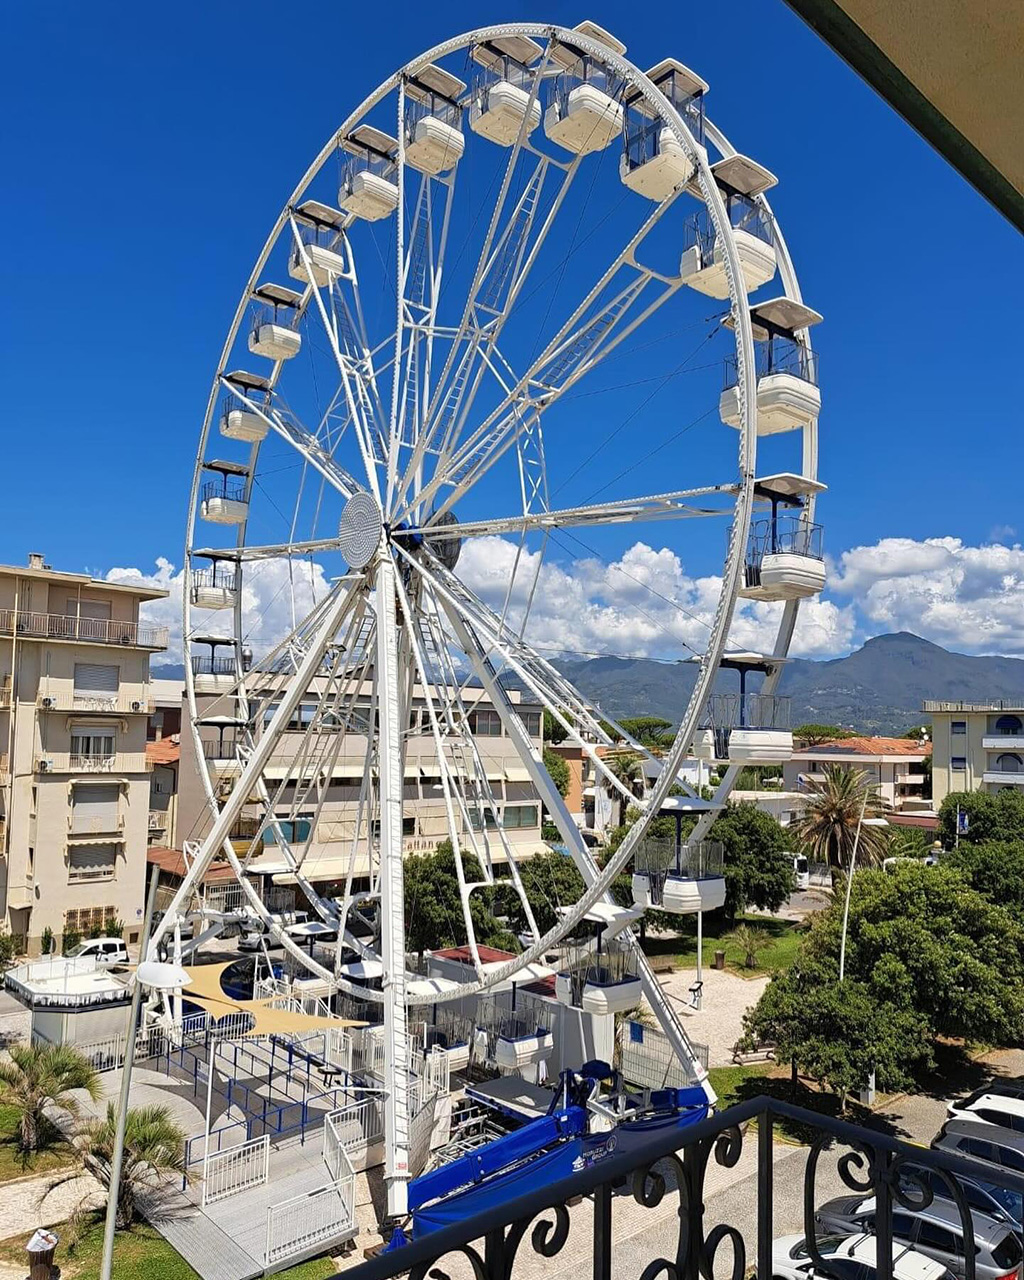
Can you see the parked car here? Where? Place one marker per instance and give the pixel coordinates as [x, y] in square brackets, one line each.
[801, 871]
[851, 1258]
[998, 1202]
[936, 1231]
[107, 952]
[1003, 1107]
[1000, 1147]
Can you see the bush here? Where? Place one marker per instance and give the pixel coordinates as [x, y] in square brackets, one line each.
[7, 948]
[47, 940]
[69, 940]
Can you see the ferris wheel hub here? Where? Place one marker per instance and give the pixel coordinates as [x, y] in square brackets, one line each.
[359, 530]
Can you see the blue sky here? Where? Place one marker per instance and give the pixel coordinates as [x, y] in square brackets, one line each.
[153, 150]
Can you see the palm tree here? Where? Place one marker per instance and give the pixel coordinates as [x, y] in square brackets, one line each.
[629, 770]
[154, 1146]
[751, 941]
[39, 1077]
[827, 827]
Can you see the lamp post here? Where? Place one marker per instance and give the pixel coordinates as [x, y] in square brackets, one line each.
[156, 976]
[863, 822]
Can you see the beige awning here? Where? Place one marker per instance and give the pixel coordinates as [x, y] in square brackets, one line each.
[205, 990]
[517, 773]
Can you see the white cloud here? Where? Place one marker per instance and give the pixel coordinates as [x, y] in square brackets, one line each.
[642, 604]
[963, 597]
[268, 590]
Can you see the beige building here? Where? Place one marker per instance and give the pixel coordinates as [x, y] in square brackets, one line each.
[976, 746]
[163, 752]
[897, 767]
[425, 822]
[74, 780]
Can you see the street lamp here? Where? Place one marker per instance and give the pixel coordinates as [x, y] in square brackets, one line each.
[863, 822]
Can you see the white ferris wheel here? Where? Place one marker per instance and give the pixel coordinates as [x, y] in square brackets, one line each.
[470, 248]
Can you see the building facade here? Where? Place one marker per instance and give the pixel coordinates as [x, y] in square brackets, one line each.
[332, 832]
[976, 746]
[897, 767]
[163, 751]
[74, 780]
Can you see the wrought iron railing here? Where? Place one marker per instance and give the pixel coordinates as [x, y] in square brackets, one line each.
[781, 355]
[234, 492]
[207, 665]
[226, 577]
[675, 1163]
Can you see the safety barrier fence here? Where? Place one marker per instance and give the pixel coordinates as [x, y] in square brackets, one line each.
[227, 1173]
[307, 1224]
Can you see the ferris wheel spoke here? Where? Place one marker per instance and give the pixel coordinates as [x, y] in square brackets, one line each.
[660, 506]
[610, 312]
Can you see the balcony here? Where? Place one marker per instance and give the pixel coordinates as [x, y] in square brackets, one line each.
[104, 704]
[83, 828]
[1004, 777]
[92, 762]
[58, 626]
[652, 1208]
[1003, 742]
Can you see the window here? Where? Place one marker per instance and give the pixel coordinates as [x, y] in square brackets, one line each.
[479, 819]
[958, 726]
[294, 830]
[1004, 1119]
[531, 722]
[485, 724]
[903, 1226]
[522, 815]
[408, 827]
[92, 861]
[958, 763]
[94, 808]
[85, 918]
[1011, 1159]
[95, 682]
[1007, 1253]
[31, 863]
[935, 1236]
[92, 744]
[975, 1147]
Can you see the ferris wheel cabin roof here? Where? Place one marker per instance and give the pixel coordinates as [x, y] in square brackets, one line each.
[211, 639]
[744, 660]
[686, 79]
[787, 487]
[687, 804]
[365, 139]
[433, 81]
[319, 215]
[226, 468]
[567, 55]
[278, 295]
[738, 175]
[520, 49]
[781, 315]
[247, 381]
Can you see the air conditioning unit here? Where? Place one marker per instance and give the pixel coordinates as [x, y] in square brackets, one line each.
[137, 706]
[45, 766]
[47, 702]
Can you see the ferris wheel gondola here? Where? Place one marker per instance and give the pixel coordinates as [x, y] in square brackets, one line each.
[367, 410]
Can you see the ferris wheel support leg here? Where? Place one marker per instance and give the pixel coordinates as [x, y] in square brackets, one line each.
[570, 833]
[392, 901]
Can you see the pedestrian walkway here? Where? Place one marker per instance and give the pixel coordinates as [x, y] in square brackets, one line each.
[32, 1203]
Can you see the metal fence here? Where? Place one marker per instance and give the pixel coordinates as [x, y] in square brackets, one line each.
[306, 1224]
[693, 861]
[647, 1060]
[229, 1172]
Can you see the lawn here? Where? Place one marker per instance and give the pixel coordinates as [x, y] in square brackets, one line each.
[732, 1083]
[140, 1254]
[681, 948]
[15, 1165]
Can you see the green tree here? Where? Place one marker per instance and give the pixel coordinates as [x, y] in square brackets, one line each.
[629, 770]
[553, 731]
[649, 731]
[990, 816]
[751, 940]
[812, 735]
[433, 904]
[558, 771]
[918, 733]
[154, 1148]
[995, 868]
[837, 1033]
[550, 881]
[41, 1077]
[827, 825]
[758, 866]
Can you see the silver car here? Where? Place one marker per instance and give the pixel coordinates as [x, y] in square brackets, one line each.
[937, 1232]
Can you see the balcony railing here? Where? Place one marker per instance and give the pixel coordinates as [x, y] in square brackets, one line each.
[674, 1164]
[113, 703]
[91, 762]
[59, 626]
[692, 861]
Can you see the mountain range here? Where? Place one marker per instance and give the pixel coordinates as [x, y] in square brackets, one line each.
[879, 688]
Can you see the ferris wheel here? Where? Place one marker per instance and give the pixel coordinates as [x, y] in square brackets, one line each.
[472, 246]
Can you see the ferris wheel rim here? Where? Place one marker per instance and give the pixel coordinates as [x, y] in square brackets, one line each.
[747, 438]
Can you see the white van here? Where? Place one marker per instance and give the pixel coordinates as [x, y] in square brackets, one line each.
[801, 871]
[107, 952]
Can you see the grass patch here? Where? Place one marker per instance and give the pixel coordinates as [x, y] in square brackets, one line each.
[681, 948]
[139, 1254]
[14, 1163]
[732, 1084]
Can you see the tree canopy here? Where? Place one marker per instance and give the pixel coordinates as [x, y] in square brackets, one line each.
[649, 731]
[433, 906]
[758, 868]
[812, 735]
[990, 816]
[553, 731]
[550, 881]
[827, 827]
[558, 770]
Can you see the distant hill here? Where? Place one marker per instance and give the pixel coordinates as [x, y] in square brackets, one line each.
[879, 688]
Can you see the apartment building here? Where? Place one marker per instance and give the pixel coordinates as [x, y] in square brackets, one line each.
[333, 830]
[163, 752]
[897, 767]
[976, 746]
[74, 780]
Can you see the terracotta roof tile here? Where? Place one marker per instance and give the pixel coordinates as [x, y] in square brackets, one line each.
[165, 751]
[172, 861]
[870, 747]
